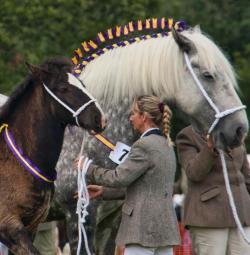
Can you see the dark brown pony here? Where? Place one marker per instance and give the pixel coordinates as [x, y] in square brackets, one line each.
[37, 123]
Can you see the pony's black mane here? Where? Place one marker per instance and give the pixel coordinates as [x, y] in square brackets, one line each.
[6, 109]
[52, 65]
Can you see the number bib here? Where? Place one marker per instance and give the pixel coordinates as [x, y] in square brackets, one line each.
[120, 153]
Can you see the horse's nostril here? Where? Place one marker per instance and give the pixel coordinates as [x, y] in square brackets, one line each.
[97, 121]
[100, 122]
[240, 133]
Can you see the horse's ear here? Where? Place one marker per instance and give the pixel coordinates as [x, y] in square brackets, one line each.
[33, 68]
[197, 29]
[37, 71]
[183, 42]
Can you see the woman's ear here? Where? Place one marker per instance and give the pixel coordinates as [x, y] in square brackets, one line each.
[145, 116]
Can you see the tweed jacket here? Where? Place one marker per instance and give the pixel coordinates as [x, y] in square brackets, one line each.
[206, 203]
[148, 216]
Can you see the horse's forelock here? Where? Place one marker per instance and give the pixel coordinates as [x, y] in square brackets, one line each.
[210, 55]
[57, 65]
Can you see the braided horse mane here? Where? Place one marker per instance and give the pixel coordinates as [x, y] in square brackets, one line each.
[128, 57]
[129, 60]
[119, 64]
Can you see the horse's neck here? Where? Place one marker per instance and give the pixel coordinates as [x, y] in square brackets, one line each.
[36, 132]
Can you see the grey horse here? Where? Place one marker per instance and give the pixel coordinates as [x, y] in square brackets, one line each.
[152, 66]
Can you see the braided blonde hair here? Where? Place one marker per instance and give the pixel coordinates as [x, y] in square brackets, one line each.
[159, 112]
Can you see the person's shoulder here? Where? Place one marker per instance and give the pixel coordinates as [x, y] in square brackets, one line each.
[187, 134]
[153, 142]
[142, 142]
[186, 131]
[145, 141]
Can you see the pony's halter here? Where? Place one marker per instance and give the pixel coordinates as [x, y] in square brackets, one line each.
[218, 113]
[77, 112]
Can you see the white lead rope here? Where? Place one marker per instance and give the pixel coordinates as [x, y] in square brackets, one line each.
[231, 199]
[218, 116]
[82, 203]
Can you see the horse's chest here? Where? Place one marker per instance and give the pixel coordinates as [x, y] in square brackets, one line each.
[36, 207]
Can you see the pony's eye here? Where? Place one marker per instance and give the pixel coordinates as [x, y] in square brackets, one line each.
[208, 76]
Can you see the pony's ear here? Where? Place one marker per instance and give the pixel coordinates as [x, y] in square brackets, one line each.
[183, 42]
[33, 68]
[37, 71]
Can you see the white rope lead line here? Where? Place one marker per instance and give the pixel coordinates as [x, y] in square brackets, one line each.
[82, 203]
[231, 199]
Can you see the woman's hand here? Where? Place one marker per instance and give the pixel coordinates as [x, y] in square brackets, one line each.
[211, 145]
[95, 191]
[210, 142]
[76, 162]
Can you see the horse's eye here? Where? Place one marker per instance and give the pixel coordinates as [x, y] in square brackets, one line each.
[208, 76]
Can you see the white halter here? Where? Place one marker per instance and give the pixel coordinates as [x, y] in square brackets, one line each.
[82, 108]
[218, 116]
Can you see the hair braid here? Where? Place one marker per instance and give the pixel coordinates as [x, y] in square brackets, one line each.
[159, 112]
[166, 120]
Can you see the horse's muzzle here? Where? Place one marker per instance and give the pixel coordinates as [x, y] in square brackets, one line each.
[230, 138]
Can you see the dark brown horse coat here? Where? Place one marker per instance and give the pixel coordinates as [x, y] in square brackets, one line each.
[37, 123]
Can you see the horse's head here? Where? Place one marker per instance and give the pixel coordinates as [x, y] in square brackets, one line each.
[67, 97]
[216, 76]
[155, 64]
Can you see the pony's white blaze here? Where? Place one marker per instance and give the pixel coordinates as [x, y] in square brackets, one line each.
[77, 83]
